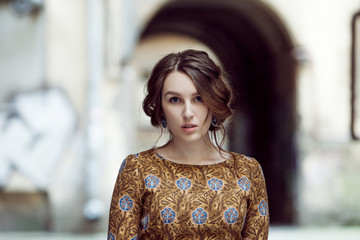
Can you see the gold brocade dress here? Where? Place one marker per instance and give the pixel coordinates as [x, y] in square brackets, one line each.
[155, 198]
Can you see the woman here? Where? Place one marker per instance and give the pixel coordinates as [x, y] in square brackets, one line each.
[190, 188]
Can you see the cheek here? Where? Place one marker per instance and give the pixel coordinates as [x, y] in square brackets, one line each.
[170, 113]
[165, 109]
[206, 115]
[209, 120]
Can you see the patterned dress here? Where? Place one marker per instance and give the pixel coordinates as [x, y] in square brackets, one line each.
[155, 198]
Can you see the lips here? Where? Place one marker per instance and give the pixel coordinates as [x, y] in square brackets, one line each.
[188, 125]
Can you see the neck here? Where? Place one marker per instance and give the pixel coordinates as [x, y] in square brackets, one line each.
[198, 153]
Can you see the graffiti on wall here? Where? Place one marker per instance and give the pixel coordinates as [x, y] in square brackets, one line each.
[35, 128]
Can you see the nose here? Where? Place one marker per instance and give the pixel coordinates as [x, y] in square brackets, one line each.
[188, 113]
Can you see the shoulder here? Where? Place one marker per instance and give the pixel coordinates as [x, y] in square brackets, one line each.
[246, 163]
[243, 158]
[141, 155]
[136, 160]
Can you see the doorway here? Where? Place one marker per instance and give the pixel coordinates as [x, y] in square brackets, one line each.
[255, 50]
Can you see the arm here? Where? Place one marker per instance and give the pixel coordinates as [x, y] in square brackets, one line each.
[256, 224]
[125, 208]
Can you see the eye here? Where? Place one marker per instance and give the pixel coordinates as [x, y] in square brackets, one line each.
[174, 100]
[198, 99]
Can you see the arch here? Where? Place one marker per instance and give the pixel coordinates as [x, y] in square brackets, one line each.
[255, 49]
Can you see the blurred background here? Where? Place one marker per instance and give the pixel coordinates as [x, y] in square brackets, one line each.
[72, 77]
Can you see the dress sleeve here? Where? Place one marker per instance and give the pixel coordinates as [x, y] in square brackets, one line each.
[256, 224]
[126, 209]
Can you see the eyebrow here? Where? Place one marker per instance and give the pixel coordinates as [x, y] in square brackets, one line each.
[178, 94]
[171, 93]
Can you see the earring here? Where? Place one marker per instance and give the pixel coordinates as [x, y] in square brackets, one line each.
[163, 122]
[214, 122]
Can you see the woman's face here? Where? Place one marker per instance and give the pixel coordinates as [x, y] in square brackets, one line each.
[188, 118]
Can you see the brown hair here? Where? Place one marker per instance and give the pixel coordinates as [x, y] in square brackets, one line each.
[213, 88]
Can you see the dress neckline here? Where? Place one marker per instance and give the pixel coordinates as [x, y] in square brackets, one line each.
[158, 156]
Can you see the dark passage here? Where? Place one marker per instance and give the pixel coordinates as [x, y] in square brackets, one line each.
[255, 49]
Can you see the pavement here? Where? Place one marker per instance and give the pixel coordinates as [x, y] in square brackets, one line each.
[276, 233]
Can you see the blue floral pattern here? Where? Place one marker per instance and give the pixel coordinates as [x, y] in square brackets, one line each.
[183, 183]
[145, 222]
[126, 203]
[134, 238]
[199, 216]
[244, 184]
[111, 236]
[231, 215]
[168, 215]
[151, 181]
[158, 199]
[263, 207]
[215, 184]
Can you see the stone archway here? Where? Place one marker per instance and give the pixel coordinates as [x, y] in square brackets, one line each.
[255, 49]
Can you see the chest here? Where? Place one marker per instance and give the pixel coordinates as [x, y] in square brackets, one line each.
[195, 199]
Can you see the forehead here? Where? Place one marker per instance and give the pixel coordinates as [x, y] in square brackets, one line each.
[179, 82]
